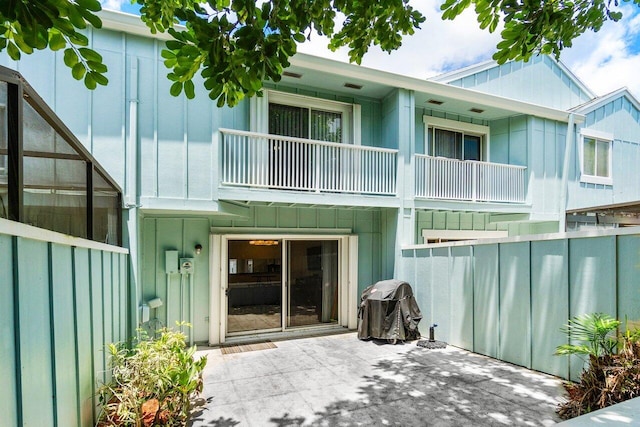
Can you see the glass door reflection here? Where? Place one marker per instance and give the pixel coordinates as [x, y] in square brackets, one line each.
[254, 298]
[312, 279]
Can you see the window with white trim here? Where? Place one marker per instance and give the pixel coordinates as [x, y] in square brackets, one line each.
[596, 157]
[307, 117]
[455, 140]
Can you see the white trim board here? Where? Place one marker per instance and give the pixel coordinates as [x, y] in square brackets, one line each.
[19, 229]
[463, 234]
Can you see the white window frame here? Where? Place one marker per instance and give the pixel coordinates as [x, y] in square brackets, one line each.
[598, 136]
[456, 126]
[351, 113]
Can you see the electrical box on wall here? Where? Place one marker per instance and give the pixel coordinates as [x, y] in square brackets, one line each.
[144, 313]
[171, 262]
[186, 265]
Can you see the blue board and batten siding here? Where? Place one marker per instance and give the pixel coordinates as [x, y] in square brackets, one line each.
[160, 234]
[509, 299]
[53, 303]
[541, 81]
[175, 137]
[620, 118]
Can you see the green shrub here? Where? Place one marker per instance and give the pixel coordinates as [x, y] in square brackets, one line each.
[613, 373]
[152, 383]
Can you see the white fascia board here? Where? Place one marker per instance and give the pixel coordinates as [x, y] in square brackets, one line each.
[461, 73]
[26, 231]
[430, 87]
[129, 23]
[132, 24]
[573, 77]
[605, 99]
[487, 65]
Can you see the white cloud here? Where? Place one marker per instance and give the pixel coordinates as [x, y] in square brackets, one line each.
[439, 46]
[610, 58]
[604, 61]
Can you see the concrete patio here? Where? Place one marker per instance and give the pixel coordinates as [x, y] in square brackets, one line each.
[339, 380]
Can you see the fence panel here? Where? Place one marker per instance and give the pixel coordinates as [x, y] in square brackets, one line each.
[52, 322]
[64, 317]
[485, 301]
[592, 278]
[629, 279]
[515, 294]
[461, 305]
[515, 303]
[8, 388]
[549, 304]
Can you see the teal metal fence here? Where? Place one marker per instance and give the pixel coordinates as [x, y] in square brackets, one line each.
[61, 300]
[508, 298]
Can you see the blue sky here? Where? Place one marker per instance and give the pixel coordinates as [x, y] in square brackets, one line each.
[604, 61]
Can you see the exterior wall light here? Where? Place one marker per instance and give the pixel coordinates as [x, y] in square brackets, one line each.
[198, 249]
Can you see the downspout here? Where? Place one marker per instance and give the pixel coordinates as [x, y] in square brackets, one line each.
[131, 196]
[568, 149]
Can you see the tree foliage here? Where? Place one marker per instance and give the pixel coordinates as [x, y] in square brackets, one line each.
[236, 45]
[537, 26]
[28, 25]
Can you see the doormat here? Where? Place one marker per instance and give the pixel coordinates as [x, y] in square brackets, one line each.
[241, 348]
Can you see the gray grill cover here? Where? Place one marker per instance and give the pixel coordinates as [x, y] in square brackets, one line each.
[388, 311]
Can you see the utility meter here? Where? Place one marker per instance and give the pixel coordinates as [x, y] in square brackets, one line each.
[186, 265]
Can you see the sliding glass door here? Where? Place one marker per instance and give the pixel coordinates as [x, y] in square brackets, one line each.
[312, 292]
[262, 273]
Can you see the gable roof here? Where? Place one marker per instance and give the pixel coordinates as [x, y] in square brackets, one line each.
[599, 101]
[461, 73]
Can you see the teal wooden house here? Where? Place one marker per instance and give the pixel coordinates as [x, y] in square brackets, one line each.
[273, 216]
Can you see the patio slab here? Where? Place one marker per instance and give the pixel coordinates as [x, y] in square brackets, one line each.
[339, 380]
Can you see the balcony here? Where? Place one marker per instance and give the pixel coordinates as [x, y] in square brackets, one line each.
[259, 160]
[452, 179]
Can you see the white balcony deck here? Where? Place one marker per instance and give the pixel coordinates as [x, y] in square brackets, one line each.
[259, 160]
[451, 179]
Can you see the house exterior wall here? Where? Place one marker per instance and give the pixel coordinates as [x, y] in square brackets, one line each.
[541, 81]
[160, 234]
[164, 151]
[620, 118]
[172, 140]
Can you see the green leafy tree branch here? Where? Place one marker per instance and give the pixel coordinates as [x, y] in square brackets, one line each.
[28, 25]
[236, 45]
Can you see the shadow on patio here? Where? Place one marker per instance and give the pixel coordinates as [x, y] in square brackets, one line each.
[342, 381]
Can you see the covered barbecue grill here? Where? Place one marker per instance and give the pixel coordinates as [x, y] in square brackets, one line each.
[388, 311]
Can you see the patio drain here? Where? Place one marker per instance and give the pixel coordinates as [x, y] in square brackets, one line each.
[241, 348]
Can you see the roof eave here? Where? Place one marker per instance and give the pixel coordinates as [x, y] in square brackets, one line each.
[132, 24]
[431, 87]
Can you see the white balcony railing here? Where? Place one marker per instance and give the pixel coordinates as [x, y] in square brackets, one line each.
[271, 161]
[443, 178]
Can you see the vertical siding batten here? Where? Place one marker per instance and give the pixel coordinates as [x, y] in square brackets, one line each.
[10, 351]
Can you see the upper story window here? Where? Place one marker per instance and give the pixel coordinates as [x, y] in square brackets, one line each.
[455, 140]
[299, 116]
[305, 122]
[596, 157]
